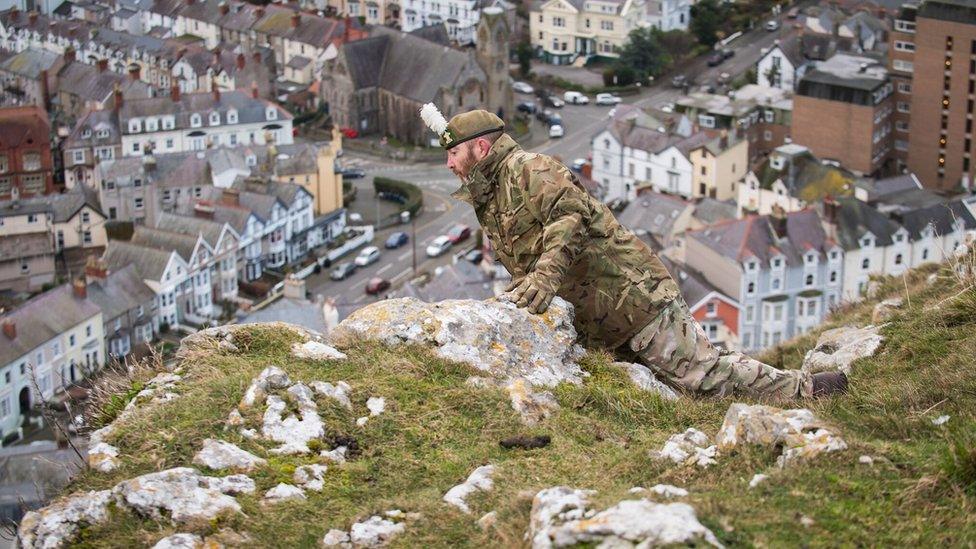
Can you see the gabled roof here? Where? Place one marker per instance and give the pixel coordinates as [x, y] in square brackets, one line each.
[710, 211]
[653, 212]
[62, 207]
[805, 177]
[192, 226]
[23, 124]
[790, 49]
[755, 237]
[940, 216]
[183, 244]
[693, 285]
[249, 110]
[855, 219]
[43, 318]
[150, 263]
[30, 63]
[91, 84]
[120, 291]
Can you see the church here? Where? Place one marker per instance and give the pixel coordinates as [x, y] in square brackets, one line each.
[377, 85]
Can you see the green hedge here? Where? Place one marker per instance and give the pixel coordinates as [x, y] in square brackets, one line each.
[408, 194]
[348, 192]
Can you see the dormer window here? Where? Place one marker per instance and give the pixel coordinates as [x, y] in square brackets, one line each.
[195, 121]
[777, 263]
[86, 133]
[251, 160]
[135, 125]
[811, 258]
[776, 162]
[232, 117]
[214, 118]
[101, 133]
[751, 266]
[866, 241]
[271, 113]
[168, 123]
[152, 124]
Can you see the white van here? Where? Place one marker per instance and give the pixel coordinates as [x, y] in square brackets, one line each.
[576, 98]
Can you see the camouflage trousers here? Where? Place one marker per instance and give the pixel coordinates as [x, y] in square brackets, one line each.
[676, 349]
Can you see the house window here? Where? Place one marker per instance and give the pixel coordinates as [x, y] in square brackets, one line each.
[750, 313]
[152, 124]
[776, 283]
[32, 161]
[138, 203]
[135, 126]
[195, 120]
[711, 309]
[866, 264]
[71, 340]
[706, 120]
[135, 147]
[168, 123]
[751, 288]
[777, 263]
[901, 45]
[833, 276]
[232, 117]
[79, 156]
[271, 113]
[87, 237]
[32, 218]
[751, 266]
[898, 259]
[214, 118]
[558, 22]
[809, 280]
[925, 254]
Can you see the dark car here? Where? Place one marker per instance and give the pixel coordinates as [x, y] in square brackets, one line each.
[474, 256]
[377, 285]
[458, 233]
[543, 115]
[555, 120]
[343, 270]
[352, 173]
[715, 59]
[396, 240]
[679, 81]
[553, 101]
[527, 107]
[727, 52]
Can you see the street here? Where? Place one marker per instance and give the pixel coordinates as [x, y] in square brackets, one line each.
[440, 211]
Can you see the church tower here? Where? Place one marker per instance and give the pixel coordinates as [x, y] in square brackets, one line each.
[492, 55]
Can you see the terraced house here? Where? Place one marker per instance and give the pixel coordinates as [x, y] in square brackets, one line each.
[564, 30]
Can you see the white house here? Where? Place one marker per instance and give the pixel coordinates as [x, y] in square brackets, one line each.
[781, 66]
[165, 272]
[460, 17]
[668, 15]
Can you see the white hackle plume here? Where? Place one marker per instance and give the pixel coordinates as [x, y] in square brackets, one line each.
[433, 118]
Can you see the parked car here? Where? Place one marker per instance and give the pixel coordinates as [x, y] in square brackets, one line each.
[458, 233]
[793, 13]
[522, 87]
[724, 78]
[377, 285]
[715, 59]
[355, 217]
[527, 107]
[367, 256]
[577, 165]
[396, 240]
[679, 80]
[556, 131]
[349, 132]
[607, 99]
[553, 101]
[555, 120]
[438, 246]
[352, 173]
[727, 53]
[576, 98]
[772, 25]
[342, 270]
[474, 256]
[543, 115]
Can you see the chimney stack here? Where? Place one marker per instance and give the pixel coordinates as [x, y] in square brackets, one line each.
[831, 207]
[256, 57]
[296, 19]
[135, 72]
[117, 94]
[102, 65]
[254, 90]
[96, 269]
[79, 288]
[778, 221]
[259, 12]
[294, 287]
[241, 60]
[189, 2]
[216, 53]
[216, 93]
[10, 329]
[69, 55]
[45, 90]
[230, 197]
[224, 8]
[174, 93]
[32, 17]
[14, 14]
[203, 211]
[346, 29]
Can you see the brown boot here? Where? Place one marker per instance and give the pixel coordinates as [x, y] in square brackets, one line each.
[829, 383]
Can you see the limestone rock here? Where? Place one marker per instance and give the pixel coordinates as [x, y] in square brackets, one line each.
[493, 336]
[376, 405]
[217, 454]
[338, 392]
[301, 395]
[314, 350]
[292, 432]
[374, 532]
[801, 435]
[337, 455]
[283, 492]
[181, 494]
[532, 407]
[560, 518]
[669, 491]
[57, 524]
[234, 418]
[757, 479]
[103, 457]
[644, 379]
[691, 447]
[941, 420]
[836, 349]
[488, 520]
[336, 537]
[211, 338]
[311, 477]
[270, 378]
[180, 541]
[886, 310]
[866, 460]
[479, 479]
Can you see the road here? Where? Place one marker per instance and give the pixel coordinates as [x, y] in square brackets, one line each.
[441, 211]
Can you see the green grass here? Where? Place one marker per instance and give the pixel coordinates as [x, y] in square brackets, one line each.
[436, 430]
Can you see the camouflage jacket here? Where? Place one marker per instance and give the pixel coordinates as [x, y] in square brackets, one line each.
[539, 218]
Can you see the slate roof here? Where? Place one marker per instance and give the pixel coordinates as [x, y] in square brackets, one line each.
[805, 177]
[710, 211]
[94, 121]
[62, 207]
[753, 236]
[182, 224]
[249, 110]
[90, 84]
[17, 246]
[845, 70]
[639, 130]
[43, 318]
[791, 49]
[150, 263]
[30, 63]
[121, 291]
[855, 219]
[940, 216]
[653, 212]
[436, 33]
[165, 240]
[21, 124]
[692, 284]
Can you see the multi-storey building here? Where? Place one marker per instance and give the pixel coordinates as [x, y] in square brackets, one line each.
[47, 344]
[163, 271]
[901, 65]
[940, 143]
[668, 15]
[221, 241]
[460, 17]
[781, 269]
[563, 30]
[26, 165]
[200, 265]
[128, 307]
[842, 112]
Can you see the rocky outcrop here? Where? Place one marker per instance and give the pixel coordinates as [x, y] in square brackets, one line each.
[316, 350]
[561, 517]
[691, 447]
[838, 348]
[478, 480]
[218, 455]
[283, 492]
[496, 337]
[644, 379]
[801, 435]
[372, 532]
[182, 495]
[886, 310]
[57, 524]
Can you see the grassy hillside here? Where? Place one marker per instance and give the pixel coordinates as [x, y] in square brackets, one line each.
[920, 489]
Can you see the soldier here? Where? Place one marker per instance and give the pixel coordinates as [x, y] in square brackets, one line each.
[555, 239]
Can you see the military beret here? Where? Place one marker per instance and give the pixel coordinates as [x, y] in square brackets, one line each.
[469, 125]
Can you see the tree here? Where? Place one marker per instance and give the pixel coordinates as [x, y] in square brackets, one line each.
[524, 53]
[643, 54]
[707, 17]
